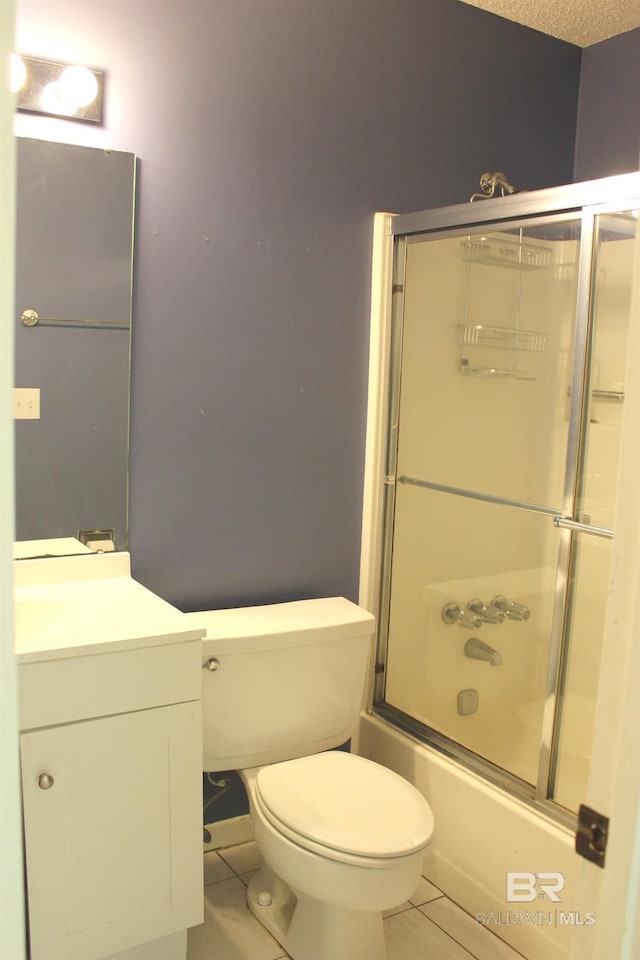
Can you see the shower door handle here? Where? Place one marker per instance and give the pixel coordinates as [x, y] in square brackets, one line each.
[566, 523]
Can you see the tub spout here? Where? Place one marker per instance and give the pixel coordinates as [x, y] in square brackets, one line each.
[479, 650]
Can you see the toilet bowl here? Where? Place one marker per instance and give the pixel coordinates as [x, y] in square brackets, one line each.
[341, 838]
[344, 839]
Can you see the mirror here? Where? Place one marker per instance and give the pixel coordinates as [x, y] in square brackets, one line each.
[74, 254]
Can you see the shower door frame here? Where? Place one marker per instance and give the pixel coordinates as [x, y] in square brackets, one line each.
[579, 201]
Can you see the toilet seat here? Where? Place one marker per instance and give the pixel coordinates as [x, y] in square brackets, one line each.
[344, 807]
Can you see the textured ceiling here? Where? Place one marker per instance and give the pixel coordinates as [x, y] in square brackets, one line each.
[582, 22]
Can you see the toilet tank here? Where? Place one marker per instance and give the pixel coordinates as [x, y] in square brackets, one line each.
[281, 681]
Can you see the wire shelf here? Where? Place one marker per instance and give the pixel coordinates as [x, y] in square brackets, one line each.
[501, 252]
[496, 372]
[504, 338]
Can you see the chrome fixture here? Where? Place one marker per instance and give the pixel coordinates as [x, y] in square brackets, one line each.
[511, 608]
[31, 318]
[488, 613]
[477, 649]
[468, 702]
[489, 183]
[453, 613]
[64, 90]
[478, 612]
[566, 523]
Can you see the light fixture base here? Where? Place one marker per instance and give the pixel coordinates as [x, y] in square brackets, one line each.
[60, 90]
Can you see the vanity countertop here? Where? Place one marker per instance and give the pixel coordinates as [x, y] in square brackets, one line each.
[84, 605]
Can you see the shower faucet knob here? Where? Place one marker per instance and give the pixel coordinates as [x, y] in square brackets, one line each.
[452, 613]
[470, 619]
[487, 612]
[512, 609]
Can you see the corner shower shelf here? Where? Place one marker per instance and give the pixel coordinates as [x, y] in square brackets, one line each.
[499, 338]
[501, 252]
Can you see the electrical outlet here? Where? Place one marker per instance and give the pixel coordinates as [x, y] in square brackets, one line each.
[26, 403]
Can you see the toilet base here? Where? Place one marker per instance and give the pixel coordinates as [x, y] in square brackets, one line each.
[309, 929]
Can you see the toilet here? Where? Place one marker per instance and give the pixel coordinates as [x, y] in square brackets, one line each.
[341, 838]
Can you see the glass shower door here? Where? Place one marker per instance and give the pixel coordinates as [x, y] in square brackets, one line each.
[492, 615]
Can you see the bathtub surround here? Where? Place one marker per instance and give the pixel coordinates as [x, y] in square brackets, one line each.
[488, 437]
[472, 864]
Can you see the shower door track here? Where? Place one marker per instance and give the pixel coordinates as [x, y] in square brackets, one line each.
[476, 763]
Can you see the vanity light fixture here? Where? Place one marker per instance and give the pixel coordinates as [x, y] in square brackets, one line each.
[57, 89]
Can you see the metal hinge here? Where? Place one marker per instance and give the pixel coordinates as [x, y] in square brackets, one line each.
[397, 288]
[592, 835]
[390, 479]
[379, 668]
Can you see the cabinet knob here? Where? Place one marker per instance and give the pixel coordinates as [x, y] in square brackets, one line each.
[211, 664]
[45, 781]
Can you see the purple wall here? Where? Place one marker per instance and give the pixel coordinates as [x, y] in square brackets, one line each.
[268, 133]
[608, 137]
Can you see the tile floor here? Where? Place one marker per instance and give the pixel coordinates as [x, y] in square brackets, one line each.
[429, 927]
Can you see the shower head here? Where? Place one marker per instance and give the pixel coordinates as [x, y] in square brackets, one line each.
[490, 182]
[499, 180]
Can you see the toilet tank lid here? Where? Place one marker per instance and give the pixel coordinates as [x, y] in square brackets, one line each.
[282, 624]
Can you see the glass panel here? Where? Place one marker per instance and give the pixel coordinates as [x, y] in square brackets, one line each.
[588, 590]
[488, 329]
[448, 551]
[616, 248]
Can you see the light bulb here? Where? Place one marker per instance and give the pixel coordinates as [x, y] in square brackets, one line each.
[52, 102]
[77, 87]
[18, 73]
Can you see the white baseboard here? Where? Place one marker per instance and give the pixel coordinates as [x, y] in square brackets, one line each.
[227, 833]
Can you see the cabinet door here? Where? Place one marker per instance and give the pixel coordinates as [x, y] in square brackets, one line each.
[113, 837]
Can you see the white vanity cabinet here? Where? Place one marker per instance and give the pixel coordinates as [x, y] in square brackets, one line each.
[111, 751]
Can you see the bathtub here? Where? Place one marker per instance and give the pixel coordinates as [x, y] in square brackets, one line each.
[483, 835]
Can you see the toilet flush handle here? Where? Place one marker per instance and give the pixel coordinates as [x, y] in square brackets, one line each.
[211, 664]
